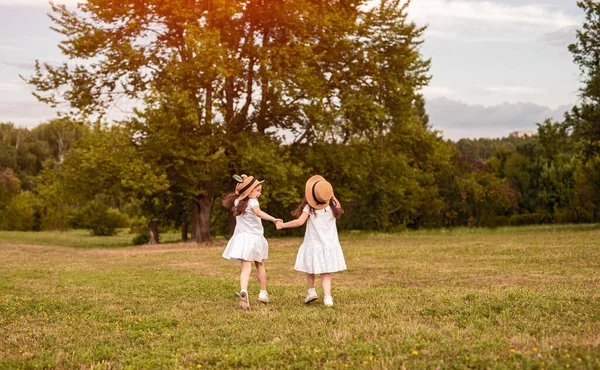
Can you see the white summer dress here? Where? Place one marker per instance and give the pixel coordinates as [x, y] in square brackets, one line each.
[321, 251]
[248, 242]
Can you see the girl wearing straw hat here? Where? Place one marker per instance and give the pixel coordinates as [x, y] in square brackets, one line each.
[248, 243]
[321, 252]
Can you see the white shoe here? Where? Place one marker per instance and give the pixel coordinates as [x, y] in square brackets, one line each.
[263, 297]
[312, 296]
[328, 301]
[244, 303]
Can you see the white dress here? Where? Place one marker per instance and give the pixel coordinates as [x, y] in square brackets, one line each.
[321, 251]
[248, 242]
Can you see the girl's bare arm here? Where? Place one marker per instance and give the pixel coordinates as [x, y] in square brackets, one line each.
[264, 215]
[295, 223]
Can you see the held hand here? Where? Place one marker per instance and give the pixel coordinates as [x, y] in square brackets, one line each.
[279, 224]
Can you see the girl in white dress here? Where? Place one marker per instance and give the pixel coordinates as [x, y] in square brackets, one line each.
[321, 252]
[248, 243]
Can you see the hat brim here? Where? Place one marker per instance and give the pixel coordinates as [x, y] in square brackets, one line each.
[308, 192]
[249, 190]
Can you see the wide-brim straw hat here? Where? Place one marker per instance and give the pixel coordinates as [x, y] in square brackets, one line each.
[245, 187]
[318, 192]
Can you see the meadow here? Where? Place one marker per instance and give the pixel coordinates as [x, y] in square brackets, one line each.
[504, 298]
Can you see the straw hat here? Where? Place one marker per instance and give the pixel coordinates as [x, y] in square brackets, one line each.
[318, 192]
[244, 188]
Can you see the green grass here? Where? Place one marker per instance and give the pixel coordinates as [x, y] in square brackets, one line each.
[76, 238]
[454, 299]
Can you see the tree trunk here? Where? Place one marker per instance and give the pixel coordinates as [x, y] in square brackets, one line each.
[204, 216]
[184, 227]
[153, 228]
[195, 206]
[201, 209]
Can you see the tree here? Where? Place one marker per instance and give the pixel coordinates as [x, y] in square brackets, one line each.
[60, 134]
[21, 213]
[9, 186]
[217, 70]
[584, 119]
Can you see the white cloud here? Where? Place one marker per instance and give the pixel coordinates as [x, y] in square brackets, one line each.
[487, 20]
[40, 3]
[436, 91]
[21, 65]
[490, 12]
[11, 86]
[459, 120]
[507, 89]
[10, 48]
[561, 37]
[28, 113]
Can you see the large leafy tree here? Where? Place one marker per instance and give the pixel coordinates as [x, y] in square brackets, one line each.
[206, 73]
[584, 119]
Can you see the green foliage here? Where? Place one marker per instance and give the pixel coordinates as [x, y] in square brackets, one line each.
[531, 219]
[9, 187]
[220, 71]
[55, 199]
[485, 196]
[142, 238]
[281, 91]
[584, 119]
[22, 213]
[100, 219]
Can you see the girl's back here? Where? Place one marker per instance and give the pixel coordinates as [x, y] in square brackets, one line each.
[248, 222]
[321, 229]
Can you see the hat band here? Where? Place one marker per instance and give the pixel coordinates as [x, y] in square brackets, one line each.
[315, 195]
[242, 190]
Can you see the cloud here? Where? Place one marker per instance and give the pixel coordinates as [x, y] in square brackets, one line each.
[459, 120]
[28, 66]
[11, 86]
[29, 113]
[487, 20]
[436, 91]
[562, 37]
[10, 48]
[490, 12]
[39, 3]
[507, 89]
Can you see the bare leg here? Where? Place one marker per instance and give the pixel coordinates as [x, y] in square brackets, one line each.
[245, 274]
[326, 281]
[261, 274]
[310, 280]
[312, 293]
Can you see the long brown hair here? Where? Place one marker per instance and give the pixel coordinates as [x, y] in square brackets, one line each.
[229, 203]
[337, 211]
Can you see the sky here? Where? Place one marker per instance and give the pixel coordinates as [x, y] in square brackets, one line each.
[497, 65]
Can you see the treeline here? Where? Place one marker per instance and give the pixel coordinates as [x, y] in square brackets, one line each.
[64, 175]
[281, 91]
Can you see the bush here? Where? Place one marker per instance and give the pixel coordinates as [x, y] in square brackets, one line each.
[21, 214]
[140, 227]
[142, 238]
[530, 219]
[98, 218]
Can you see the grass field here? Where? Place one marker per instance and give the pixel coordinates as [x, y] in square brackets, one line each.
[506, 298]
